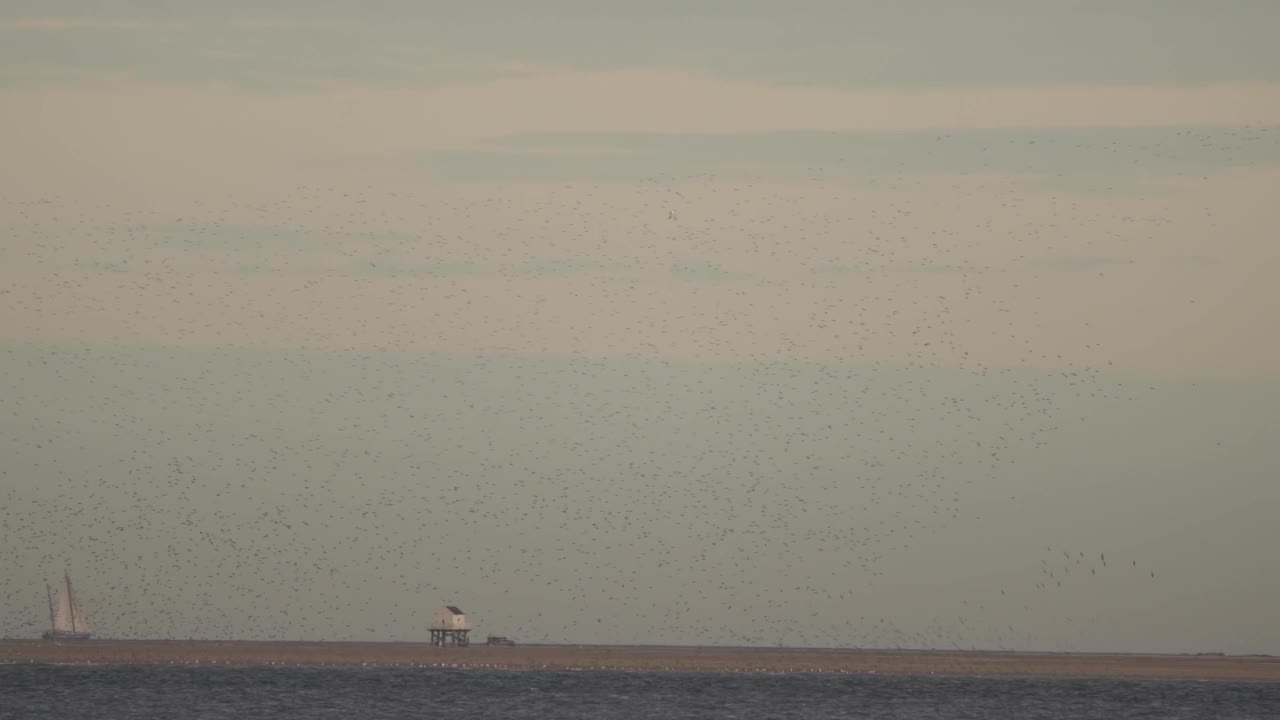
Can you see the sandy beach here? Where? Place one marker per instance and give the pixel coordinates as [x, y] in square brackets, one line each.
[594, 657]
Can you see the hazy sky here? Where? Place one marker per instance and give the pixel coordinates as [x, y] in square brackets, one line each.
[945, 325]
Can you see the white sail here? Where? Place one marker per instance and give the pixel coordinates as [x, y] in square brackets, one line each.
[67, 616]
[81, 622]
[62, 612]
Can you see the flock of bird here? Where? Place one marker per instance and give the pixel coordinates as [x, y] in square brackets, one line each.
[700, 412]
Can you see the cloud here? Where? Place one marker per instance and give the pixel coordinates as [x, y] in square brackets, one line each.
[522, 123]
[934, 44]
[144, 24]
[542, 267]
[291, 23]
[912, 267]
[586, 269]
[95, 134]
[1084, 263]
[261, 54]
[706, 271]
[1076, 264]
[104, 24]
[1079, 158]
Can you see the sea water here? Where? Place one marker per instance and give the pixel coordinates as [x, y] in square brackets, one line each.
[107, 692]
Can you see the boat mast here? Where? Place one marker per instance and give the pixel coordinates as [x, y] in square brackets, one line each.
[71, 602]
[53, 625]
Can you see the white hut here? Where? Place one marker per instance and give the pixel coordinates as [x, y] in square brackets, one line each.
[449, 627]
[449, 617]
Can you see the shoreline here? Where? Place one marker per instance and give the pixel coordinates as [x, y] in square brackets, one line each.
[645, 658]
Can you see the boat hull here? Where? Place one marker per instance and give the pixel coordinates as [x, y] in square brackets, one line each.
[56, 635]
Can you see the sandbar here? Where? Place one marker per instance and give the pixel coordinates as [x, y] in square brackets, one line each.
[1262, 668]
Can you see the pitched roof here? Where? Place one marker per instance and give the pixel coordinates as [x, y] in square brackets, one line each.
[453, 609]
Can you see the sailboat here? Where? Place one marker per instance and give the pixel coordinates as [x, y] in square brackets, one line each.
[67, 619]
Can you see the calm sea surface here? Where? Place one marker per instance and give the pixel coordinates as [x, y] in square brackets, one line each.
[31, 692]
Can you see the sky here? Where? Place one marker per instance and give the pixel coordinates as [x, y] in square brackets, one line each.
[922, 324]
